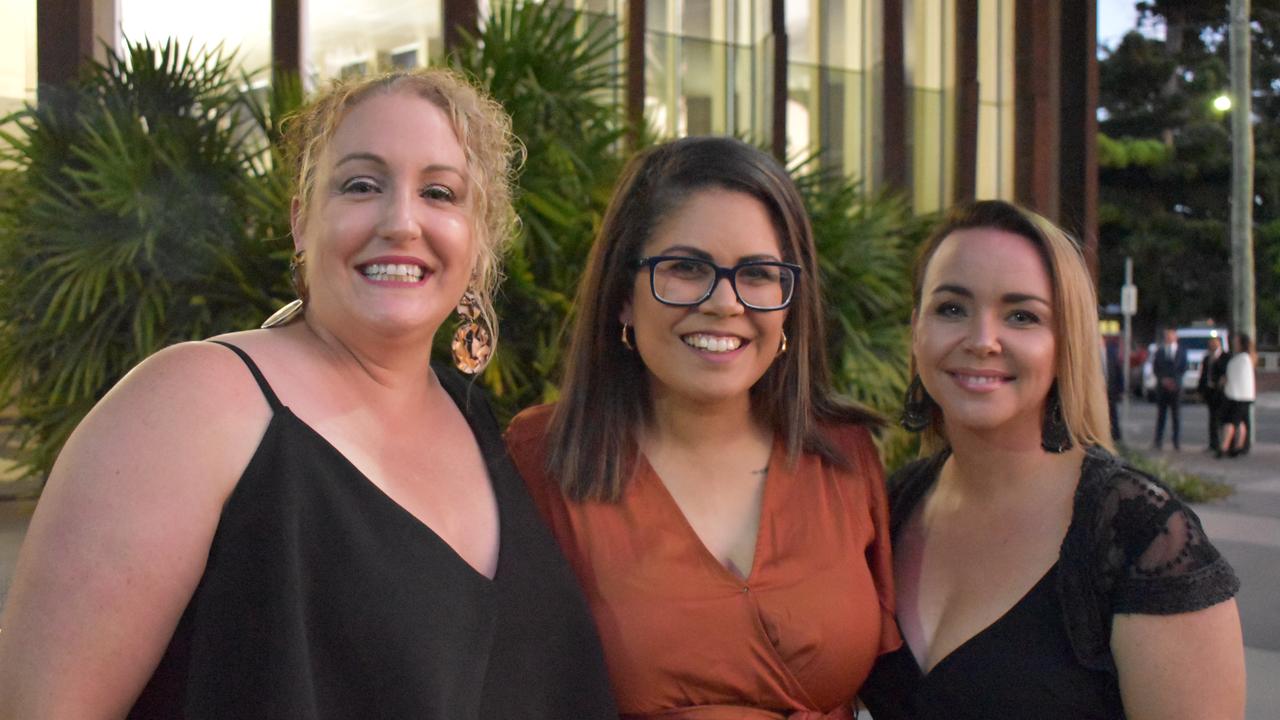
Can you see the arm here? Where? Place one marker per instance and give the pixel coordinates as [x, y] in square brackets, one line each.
[1175, 633]
[1189, 665]
[120, 536]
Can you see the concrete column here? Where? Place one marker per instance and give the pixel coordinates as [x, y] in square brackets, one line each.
[965, 177]
[894, 98]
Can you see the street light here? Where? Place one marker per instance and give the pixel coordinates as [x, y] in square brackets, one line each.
[1222, 103]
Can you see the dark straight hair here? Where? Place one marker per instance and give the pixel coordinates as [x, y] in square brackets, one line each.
[605, 391]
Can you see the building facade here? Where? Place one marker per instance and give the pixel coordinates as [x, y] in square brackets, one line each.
[943, 100]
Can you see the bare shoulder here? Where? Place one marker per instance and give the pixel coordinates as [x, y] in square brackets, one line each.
[122, 531]
[191, 397]
[177, 430]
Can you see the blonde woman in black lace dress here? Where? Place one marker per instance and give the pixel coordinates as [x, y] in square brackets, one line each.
[1037, 575]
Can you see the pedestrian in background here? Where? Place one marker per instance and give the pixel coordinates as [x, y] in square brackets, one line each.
[1169, 364]
[1213, 370]
[1239, 392]
[1115, 385]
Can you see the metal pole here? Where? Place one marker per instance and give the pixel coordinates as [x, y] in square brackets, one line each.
[1127, 343]
[1242, 300]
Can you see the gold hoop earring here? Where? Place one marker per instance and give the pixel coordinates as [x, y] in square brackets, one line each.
[626, 341]
[293, 310]
[783, 347]
[472, 342]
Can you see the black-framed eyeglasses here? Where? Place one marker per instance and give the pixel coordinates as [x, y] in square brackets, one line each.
[681, 281]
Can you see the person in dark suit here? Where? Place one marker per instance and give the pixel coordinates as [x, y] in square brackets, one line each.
[1169, 365]
[1213, 370]
[1115, 385]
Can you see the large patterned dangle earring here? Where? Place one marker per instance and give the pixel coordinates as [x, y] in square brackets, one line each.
[917, 407]
[472, 342]
[292, 310]
[1055, 436]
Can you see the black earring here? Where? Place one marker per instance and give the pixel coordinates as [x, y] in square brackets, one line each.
[917, 407]
[1055, 437]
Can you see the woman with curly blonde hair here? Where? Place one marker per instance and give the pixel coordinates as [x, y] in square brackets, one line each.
[310, 520]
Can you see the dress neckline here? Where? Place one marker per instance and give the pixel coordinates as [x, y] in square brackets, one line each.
[360, 479]
[962, 648]
[933, 467]
[649, 474]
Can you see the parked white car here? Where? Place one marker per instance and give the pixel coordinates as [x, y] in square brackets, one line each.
[1196, 341]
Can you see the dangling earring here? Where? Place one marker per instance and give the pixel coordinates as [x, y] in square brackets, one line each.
[626, 340]
[1055, 436]
[292, 310]
[783, 348]
[472, 343]
[917, 407]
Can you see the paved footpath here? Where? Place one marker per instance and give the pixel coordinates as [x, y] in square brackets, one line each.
[1245, 528]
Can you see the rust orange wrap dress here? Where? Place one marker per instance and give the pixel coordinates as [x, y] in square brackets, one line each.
[684, 637]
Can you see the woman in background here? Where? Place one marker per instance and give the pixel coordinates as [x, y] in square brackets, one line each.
[1037, 575]
[309, 521]
[723, 510]
[1239, 392]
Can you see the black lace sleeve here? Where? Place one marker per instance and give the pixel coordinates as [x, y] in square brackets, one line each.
[1166, 563]
[1133, 547]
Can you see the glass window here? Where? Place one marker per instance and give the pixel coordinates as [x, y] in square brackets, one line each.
[240, 25]
[929, 32]
[802, 45]
[17, 54]
[995, 99]
[351, 37]
[702, 67]
[831, 93]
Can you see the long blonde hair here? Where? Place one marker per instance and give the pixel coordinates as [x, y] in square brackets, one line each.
[484, 131]
[1078, 363]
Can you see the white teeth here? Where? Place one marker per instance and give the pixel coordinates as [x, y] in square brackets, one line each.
[980, 379]
[712, 343]
[398, 272]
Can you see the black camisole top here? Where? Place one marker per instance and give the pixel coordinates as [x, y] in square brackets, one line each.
[323, 598]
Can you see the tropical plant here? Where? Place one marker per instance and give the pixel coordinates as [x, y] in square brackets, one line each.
[865, 245]
[555, 70]
[148, 205]
[128, 223]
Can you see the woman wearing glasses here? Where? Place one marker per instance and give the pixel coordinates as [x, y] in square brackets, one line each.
[723, 511]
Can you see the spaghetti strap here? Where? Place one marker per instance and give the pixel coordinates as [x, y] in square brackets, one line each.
[267, 392]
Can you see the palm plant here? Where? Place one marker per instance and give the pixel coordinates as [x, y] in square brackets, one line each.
[865, 248]
[127, 224]
[555, 71]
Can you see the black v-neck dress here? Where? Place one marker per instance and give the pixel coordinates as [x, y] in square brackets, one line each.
[1131, 547]
[323, 598]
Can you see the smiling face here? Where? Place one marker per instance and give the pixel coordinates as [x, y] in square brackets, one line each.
[716, 351]
[388, 237]
[983, 335]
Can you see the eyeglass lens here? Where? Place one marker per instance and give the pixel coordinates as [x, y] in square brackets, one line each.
[689, 281]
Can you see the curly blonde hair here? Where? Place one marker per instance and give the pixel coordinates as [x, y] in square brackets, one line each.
[492, 152]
